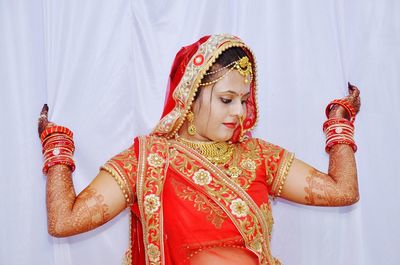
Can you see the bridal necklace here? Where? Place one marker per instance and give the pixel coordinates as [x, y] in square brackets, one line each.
[215, 152]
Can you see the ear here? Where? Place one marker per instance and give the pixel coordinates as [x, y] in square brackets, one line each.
[197, 101]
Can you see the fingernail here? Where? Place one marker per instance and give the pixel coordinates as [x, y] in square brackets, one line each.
[350, 86]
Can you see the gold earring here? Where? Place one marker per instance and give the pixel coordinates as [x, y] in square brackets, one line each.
[191, 129]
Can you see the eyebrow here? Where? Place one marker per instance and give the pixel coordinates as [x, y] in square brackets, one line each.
[234, 93]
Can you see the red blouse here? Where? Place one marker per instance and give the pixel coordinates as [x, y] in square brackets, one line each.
[197, 228]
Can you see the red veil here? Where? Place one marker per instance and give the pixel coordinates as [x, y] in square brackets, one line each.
[188, 68]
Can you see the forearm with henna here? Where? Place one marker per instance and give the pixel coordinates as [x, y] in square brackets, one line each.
[340, 186]
[67, 214]
[337, 188]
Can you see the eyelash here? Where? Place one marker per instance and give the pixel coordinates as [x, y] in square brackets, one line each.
[227, 101]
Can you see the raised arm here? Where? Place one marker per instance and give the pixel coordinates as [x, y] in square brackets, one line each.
[68, 214]
[339, 187]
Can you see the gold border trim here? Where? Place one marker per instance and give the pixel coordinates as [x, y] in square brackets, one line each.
[121, 181]
[265, 253]
[282, 173]
[149, 185]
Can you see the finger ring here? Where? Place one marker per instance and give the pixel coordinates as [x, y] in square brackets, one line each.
[42, 116]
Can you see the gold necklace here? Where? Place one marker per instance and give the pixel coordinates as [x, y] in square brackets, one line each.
[215, 152]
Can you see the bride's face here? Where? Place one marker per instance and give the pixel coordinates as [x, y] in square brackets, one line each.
[219, 106]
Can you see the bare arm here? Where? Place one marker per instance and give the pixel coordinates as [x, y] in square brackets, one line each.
[339, 187]
[68, 214]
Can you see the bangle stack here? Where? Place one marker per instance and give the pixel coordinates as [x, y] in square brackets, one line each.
[58, 147]
[340, 130]
[346, 105]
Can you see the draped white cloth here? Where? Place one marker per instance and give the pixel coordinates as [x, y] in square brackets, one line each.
[102, 66]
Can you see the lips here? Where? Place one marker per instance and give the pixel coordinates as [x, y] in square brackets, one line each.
[230, 125]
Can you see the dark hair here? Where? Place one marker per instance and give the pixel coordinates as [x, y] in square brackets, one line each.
[227, 57]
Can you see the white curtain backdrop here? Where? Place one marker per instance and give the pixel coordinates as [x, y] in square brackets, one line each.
[102, 66]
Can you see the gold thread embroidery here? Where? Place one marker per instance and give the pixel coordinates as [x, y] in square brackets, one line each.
[283, 172]
[202, 177]
[154, 151]
[267, 213]
[213, 212]
[122, 168]
[223, 191]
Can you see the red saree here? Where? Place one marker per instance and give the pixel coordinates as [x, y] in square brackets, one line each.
[186, 205]
[185, 209]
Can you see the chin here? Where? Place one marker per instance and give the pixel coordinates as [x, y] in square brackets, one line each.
[220, 134]
[223, 138]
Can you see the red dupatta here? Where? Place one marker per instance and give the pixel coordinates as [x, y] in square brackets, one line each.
[189, 67]
[157, 157]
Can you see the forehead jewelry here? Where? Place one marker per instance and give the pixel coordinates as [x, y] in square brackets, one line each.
[243, 66]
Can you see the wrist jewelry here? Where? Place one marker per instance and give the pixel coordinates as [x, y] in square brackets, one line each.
[345, 104]
[58, 147]
[339, 131]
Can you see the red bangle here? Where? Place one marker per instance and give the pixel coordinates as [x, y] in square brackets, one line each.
[58, 147]
[338, 121]
[333, 143]
[339, 131]
[55, 129]
[345, 104]
[52, 162]
[56, 136]
[338, 128]
[57, 139]
[57, 153]
[59, 143]
[339, 137]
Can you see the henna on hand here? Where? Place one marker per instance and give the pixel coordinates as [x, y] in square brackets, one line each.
[353, 98]
[67, 213]
[43, 121]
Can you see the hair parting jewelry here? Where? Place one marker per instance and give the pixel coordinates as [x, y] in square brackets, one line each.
[243, 66]
[220, 69]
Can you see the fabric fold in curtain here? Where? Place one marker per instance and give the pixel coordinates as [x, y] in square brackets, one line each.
[102, 66]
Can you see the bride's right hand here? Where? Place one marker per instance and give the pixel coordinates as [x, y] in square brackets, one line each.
[43, 121]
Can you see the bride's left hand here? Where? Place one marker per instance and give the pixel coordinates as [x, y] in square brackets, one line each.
[43, 121]
[353, 98]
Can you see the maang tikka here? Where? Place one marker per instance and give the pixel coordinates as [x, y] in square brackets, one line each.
[191, 128]
[243, 66]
